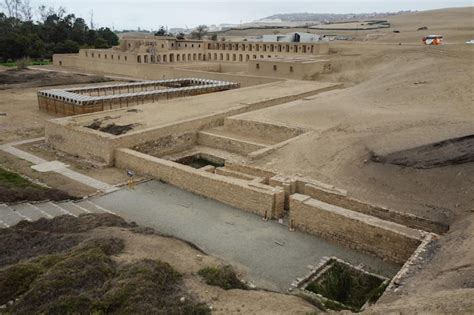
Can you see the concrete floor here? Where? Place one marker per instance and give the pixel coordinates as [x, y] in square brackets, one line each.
[272, 256]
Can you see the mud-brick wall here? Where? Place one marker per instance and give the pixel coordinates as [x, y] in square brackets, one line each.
[272, 131]
[238, 193]
[387, 240]
[81, 141]
[152, 71]
[168, 144]
[227, 143]
[379, 212]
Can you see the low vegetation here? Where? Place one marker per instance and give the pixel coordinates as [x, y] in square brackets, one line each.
[14, 64]
[222, 276]
[348, 286]
[14, 188]
[84, 279]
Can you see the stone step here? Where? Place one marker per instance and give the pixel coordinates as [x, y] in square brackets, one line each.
[50, 208]
[73, 208]
[94, 207]
[9, 217]
[228, 143]
[231, 173]
[29, 212]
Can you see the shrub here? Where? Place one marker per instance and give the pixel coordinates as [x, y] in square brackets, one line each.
[347, 286]
[224, 277]
[23, 63]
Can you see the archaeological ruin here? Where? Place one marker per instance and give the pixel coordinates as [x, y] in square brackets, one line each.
[191, 126]
[77, 101]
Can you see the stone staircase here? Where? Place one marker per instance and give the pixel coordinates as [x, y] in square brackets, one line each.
[231, 141]
[32, 211]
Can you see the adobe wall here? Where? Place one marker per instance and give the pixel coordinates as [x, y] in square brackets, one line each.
[251, 170]
[273, 131]
[252, 197]
[76, 140]
[387, 240]
[99, 146]
[290, 70]
[169, 144]
[226, 143]
[221, 67]
[153, 71]
[379, 212]
[74, 144]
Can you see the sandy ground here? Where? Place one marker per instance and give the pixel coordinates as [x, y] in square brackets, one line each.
[444, 282]
[398, 97]
[454, 23]
[22, 120]
[180, 109]
[399, 94]
[393, 101]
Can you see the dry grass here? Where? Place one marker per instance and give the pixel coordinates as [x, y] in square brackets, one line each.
[82, 278]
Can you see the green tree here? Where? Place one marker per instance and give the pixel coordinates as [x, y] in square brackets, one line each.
[100, 43]
[56, 32]
[110, 37]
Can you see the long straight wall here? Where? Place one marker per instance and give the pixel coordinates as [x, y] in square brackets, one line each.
[388, 240]
[153, 71]
[260, 199]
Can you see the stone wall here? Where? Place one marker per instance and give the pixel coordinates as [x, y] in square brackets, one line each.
[169, 144]
[99, 146]
[387, 240]
[288, 68]
[87, 143]
[344, 201]
[227, 143]
[74, 144]
[249, 196]
[272, 131]
[153, 71]
[250, 170]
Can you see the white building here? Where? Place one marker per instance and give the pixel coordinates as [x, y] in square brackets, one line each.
[296, 37]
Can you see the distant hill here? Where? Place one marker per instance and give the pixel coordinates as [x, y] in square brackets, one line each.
[328, 17]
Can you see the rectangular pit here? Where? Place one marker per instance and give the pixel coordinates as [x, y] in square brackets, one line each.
[169, 117]
[75, 101]
[200, 160]
[340, 285]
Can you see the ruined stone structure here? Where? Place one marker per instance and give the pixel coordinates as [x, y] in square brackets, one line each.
[297, 68]
[206, 144]
[170, 50]
[158, 58]
[75, 101]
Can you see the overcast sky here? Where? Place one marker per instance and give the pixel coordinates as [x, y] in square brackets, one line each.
[148, 14]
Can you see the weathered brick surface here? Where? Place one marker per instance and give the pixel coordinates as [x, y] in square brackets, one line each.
[252, 197]
[227, 144]
[388, 240]
[226, 172]
[342, 200]
[269, 131]
[251, 170]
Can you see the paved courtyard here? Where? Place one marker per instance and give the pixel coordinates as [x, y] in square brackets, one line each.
[272, 256]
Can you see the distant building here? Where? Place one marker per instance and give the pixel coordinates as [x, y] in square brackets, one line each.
[164, 50]
[291, 67]
[296, 37]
